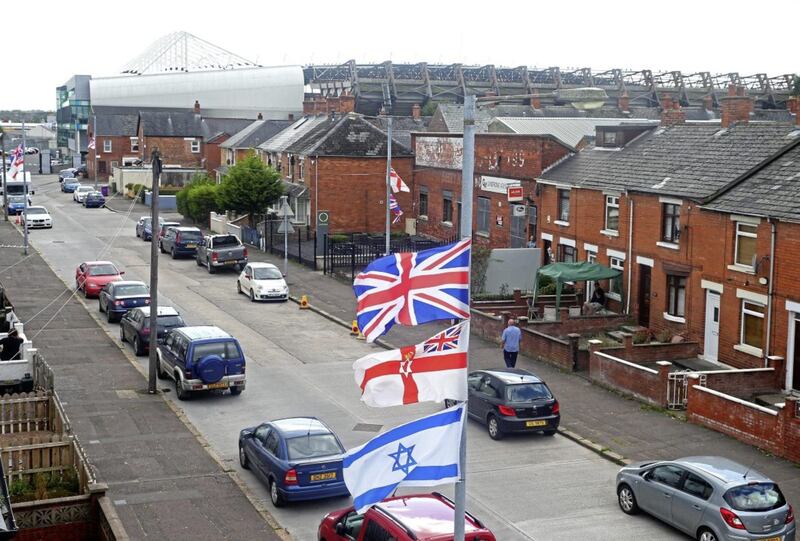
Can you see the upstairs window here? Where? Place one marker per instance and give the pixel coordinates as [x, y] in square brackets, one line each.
[746, 237]
[423, 201]
[134, 144]
[106, 145]
[483, 214]
[447, 207]
[195, 146]
[563, 205]
[670, 222]
[612, 213]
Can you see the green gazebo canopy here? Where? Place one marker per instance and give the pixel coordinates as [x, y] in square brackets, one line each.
[573, 272]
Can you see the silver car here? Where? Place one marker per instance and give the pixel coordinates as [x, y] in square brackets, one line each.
[710, 498]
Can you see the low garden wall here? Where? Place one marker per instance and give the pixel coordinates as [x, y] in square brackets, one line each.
[646, 383]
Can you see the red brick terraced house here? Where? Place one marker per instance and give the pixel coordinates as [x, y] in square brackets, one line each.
[635, 202]
[246, 141]
[116, 142]
[178, 136]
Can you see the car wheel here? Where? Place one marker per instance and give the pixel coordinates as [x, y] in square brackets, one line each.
[137, 346]
[122, 333]
[449, 403]
[100, 305]
[161, 248]
[109, 317]
[252, 296]
[550, 432]
[493, 427]
[243, 462]
[159, 372]
[236, 391]
[274, 495]
[199, 263]
[627, 500]
[210, 268]
[172, 253]
[179, 392]
[238, 287]
[706, 535]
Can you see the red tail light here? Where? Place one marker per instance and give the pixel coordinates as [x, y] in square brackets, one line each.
[505, 410]
[556, 408]
[290, 478]
[790, 515]
[178, 237]
[731, 519]
[214, 256]
[245, 252]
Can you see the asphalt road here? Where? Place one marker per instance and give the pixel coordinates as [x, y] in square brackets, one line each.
[524, 488]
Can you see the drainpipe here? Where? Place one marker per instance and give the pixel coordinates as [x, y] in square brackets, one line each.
[630, 256]
[770, 289]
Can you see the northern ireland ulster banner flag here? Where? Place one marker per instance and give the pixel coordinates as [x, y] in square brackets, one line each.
[428, 372]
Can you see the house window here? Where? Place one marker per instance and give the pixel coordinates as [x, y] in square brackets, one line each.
[134, 144]
[483, 214]
[752, 332]
[563, 205]
[566, 254]
[670, 222]
[106, 145]
[676, 295]
[609, 138]
[195, 146]
[101, 167]
[612, 213]
[746, 236]
[423, 201]
[447, 207]
[300, 211]
[615, 284]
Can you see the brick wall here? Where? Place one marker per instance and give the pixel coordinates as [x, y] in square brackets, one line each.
[73, 531]
[120, 147]
[174, 150]
[212, 155]
[648, 384]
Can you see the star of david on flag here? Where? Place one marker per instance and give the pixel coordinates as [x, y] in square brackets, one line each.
[412, 288]
[420, 453]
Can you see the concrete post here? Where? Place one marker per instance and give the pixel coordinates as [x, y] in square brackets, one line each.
[573, 349]
[664, 368]
[594, 345]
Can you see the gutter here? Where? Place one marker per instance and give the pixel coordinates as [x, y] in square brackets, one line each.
[771, 289]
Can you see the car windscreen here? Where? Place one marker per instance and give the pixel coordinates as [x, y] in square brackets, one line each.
[312, 446]
[191, 235]
[130, 290]
[36, 210]
[16, 199]
[525, 392]
[85, 189]
[226, 350]
[266, 273]
[228, 240]
[103, 270]
[166, 322]
[755, 497]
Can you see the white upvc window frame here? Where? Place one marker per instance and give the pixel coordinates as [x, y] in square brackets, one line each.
[746, 234]
[618, 264]
[612, 201]
[194, 146]
[742, 345]
[107, 146]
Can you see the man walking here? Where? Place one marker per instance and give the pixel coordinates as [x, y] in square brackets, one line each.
[510, 343]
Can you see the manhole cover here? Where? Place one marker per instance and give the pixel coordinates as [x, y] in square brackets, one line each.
[366, 427]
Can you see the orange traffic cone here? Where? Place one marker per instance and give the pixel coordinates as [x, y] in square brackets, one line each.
[304, 302]
[354, 329]
[19, 220]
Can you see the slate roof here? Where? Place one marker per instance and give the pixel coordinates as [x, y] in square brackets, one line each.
[453, 115]
[171, 124]
[402, 127]
[256, 133]
[773, 190]
[281, 141]
[570, 131]
[689, 160]
[349, 135]
[214, 127]
[294, 191]
[116, 125]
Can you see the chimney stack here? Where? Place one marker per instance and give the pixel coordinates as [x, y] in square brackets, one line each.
[708, 102]
[291, 117]
[347, 103]
[671, 112]
[416, 111]
[624, 102]
[736, 106]
[535, 102]
[196, 106]
[260, 116]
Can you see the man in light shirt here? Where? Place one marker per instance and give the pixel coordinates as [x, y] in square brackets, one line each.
[509, 341]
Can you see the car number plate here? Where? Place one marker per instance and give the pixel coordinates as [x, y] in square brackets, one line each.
[230, 262]
[773, 539]
[222, 385]
[536, 423]
[191, 245]
[323, 476]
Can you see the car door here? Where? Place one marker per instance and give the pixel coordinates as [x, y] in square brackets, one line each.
[168, 352]
[126, 325]
[473, 385]
[255, 450]
[486, 397]
[272, 454]
[80, 274]
[658, 489]
[105, 295]
[690, 503]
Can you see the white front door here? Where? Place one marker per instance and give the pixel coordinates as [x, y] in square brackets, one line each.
[711, 347]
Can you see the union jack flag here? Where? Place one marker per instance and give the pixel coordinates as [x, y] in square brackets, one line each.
[413, 288]
[444, 341]
[394, 206]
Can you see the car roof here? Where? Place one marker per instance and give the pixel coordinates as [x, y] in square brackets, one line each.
[36, 207]
[129, 283]
[299, 426]
[187, 228]
[203, 332]
[262, 265]
[723, 469]
[511, 376]
[427, 515]
[162, 310]
[167, 224]
[86, 186]
[93, 263]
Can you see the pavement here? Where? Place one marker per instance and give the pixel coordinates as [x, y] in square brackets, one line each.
[164, 481]
[617, 427]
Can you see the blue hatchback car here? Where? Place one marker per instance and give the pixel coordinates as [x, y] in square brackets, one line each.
[16, 204]
[94, 200]
[70, 185]
[299, 458]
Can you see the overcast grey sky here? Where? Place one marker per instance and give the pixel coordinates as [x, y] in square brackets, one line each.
[95, 37]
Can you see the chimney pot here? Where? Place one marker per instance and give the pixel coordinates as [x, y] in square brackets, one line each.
[196, 106]
[624, 102]
[291, 116]
[416, 111]
[260, 116]
[671, 112]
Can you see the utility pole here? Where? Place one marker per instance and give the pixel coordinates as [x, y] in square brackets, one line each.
[467, 174]
[5, 189]
[388, 189]
[94, 135]
[25, 192]
[151, 375]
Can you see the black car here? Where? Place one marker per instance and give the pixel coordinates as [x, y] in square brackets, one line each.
[511, 400]
[134, 327]
[116, 298]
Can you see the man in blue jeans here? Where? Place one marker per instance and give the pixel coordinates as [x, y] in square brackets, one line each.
[510, 343]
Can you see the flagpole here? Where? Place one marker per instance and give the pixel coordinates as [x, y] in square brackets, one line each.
[25, 192]
[388, 191]
[467, 174]
[94, 136]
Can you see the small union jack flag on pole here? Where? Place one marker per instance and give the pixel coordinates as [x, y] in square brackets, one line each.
[91, 144]
[444, 341]
[394, 206]
[413, 288]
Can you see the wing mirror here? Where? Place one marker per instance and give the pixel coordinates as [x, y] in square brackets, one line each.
[248, 275]
[121, 273]
[339, 529]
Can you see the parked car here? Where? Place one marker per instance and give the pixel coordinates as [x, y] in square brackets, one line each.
[179, 241]
[419, 517]
[298, 458]
[162, 230]
[262, 281]
[709, 498]
[70, 184]
[81, 192]
[134, 327]
[144, 228]
[66, 173]
[116, 298]
[36, 217]
[16, 204]
[81, 171]
[94, 200]
[511, 400]
[201, 359]
[92, 276]
[216, 251]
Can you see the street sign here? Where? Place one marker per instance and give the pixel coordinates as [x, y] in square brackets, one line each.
[323, 216]
[515, 193]
[285, 210]
[519, 210]
[285, 227]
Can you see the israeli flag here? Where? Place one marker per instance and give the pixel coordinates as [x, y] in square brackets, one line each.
[424, 452]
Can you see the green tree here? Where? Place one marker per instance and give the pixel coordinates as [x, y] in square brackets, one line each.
[202, 200]
[249, 187]
[182, 198]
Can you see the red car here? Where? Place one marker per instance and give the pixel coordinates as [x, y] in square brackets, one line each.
[92, 276]
[421, 517]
